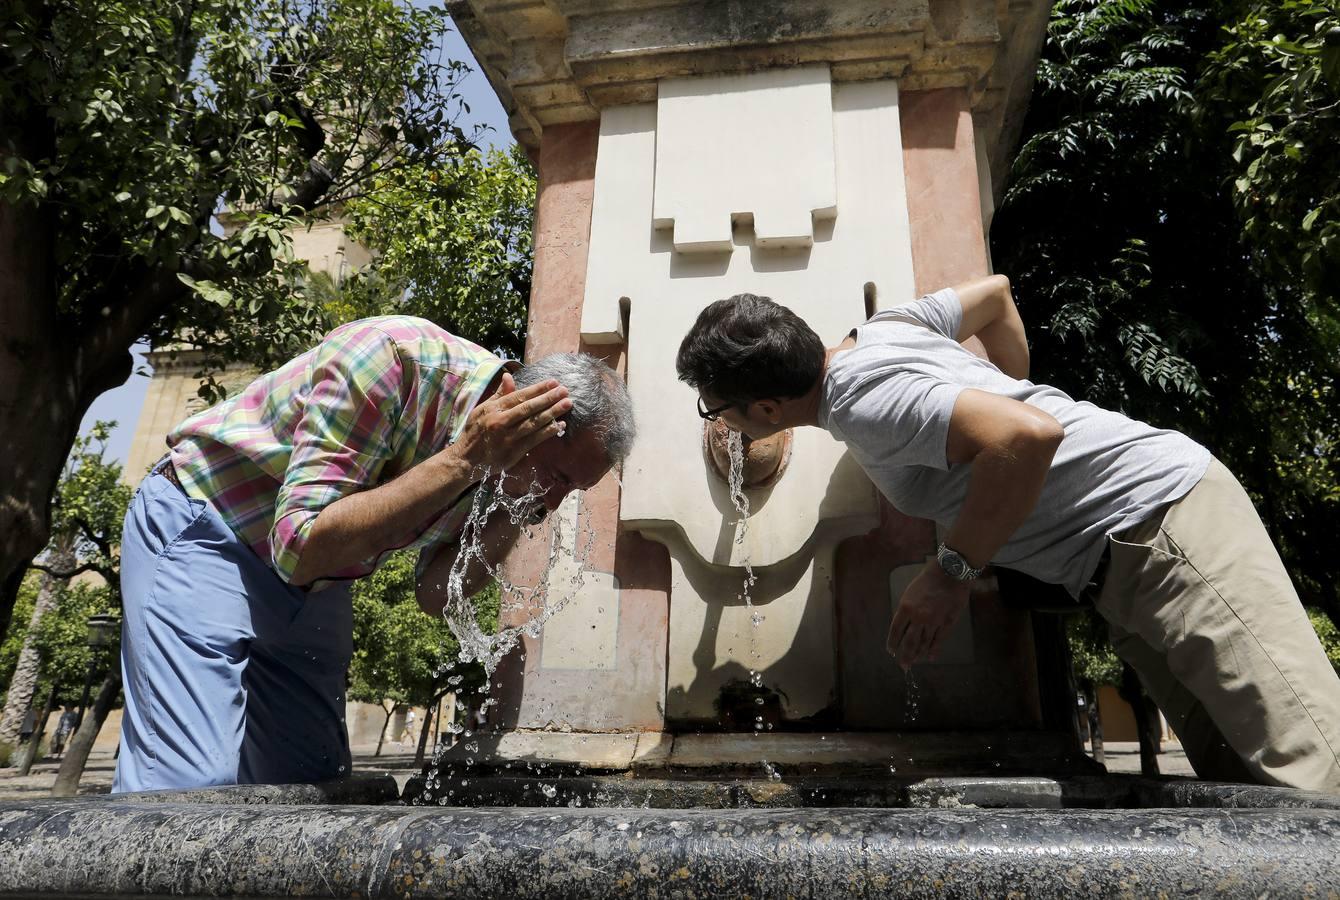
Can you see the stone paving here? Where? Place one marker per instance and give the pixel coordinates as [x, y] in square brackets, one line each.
[399, 763]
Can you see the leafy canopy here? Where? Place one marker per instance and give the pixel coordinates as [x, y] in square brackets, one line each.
[457, 238]
[1170, 232]
[154, 117]
[399, 653]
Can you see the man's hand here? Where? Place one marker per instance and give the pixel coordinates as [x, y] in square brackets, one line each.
[507, 426]
[929, 607]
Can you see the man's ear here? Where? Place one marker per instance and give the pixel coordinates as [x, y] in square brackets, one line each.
[770, 410]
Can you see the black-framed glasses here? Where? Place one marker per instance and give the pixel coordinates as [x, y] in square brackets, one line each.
[711, 414]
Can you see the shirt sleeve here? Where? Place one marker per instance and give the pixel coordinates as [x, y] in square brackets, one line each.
[342, 439]
[900, 419]
[941, 312]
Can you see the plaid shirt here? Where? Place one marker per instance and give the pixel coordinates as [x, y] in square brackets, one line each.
[373, 399]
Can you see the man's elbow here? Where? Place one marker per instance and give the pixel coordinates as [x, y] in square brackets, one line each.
[1043, 434]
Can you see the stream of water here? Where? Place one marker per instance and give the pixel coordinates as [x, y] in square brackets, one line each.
[735, 482]
[538, 604]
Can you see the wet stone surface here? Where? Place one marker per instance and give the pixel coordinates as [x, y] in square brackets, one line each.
[65, 848]
[363, 790]
[575, 790]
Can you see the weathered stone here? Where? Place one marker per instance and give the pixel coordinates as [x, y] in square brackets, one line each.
[559, 61]
[985, 793]
[546, 788]
[357, 789]
[65, 848]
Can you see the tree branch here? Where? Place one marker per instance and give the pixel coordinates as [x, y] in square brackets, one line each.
[141, 297]
[96, 539]
[66, 574]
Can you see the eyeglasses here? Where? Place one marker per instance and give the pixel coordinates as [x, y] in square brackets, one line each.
[712, 414]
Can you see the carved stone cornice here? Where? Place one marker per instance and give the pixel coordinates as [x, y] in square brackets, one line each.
[560, 61]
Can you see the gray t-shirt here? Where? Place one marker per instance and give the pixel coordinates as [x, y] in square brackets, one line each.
[890, 398]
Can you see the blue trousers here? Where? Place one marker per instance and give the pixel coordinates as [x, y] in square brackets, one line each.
[231, 676]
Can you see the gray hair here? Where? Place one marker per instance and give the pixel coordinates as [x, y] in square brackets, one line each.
[600, 400]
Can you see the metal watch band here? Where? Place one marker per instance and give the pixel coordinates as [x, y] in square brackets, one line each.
[955, 565]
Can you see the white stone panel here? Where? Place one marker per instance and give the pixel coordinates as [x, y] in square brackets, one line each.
[584, 633]
[669, 491]
[715, 643]
[666, 479]
[750, 147]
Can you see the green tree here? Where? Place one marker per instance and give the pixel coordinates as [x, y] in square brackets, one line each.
[456, 236]
[90, 505]
[1147, 285]
[1276, 78]
[62, 639]
[123, 127]
[1329, 636]
[403, 656]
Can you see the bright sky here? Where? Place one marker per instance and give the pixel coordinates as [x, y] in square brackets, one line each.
[123, 404]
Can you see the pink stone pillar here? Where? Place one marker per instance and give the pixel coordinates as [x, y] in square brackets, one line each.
[630, 696]
[948, 246]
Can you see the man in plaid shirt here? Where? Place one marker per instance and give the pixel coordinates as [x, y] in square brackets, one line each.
[240, 546]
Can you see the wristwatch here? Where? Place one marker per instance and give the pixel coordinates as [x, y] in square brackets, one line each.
[954, 565]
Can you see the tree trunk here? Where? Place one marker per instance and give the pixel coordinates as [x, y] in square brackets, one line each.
[24, 682]
[30, 749]
[428, 713]
[420, 748]
[81, 745]
[39, 392]
[1095, 723]
[381, 737]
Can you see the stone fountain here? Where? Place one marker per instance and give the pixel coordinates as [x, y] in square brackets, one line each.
[841, 157]
[713, 711]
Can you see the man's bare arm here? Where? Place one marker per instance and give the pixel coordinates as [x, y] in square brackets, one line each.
[989, 314]
[1010, 446]
[497, 540]
[498, 434]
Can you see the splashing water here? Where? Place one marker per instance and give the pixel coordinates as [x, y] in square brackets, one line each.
[913, 706]
[738, 499]
[532, 606]
[459, 611]
[735, 481]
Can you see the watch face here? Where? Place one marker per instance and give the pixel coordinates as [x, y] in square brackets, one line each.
[955, 565]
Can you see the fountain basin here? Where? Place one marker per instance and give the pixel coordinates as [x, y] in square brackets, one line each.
[85, 848]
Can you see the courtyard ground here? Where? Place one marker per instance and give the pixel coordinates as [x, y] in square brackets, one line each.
[36, 785]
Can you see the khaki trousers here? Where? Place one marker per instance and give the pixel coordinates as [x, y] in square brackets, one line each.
[1199, 603]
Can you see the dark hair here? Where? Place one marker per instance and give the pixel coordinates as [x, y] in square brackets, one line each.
[748, 348]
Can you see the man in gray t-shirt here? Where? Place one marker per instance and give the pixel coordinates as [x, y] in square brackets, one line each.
[1020, 475]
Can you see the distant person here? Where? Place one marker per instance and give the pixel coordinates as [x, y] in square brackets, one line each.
[64, 727]
[240, 546]
[407, 736]
[1018, 474]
